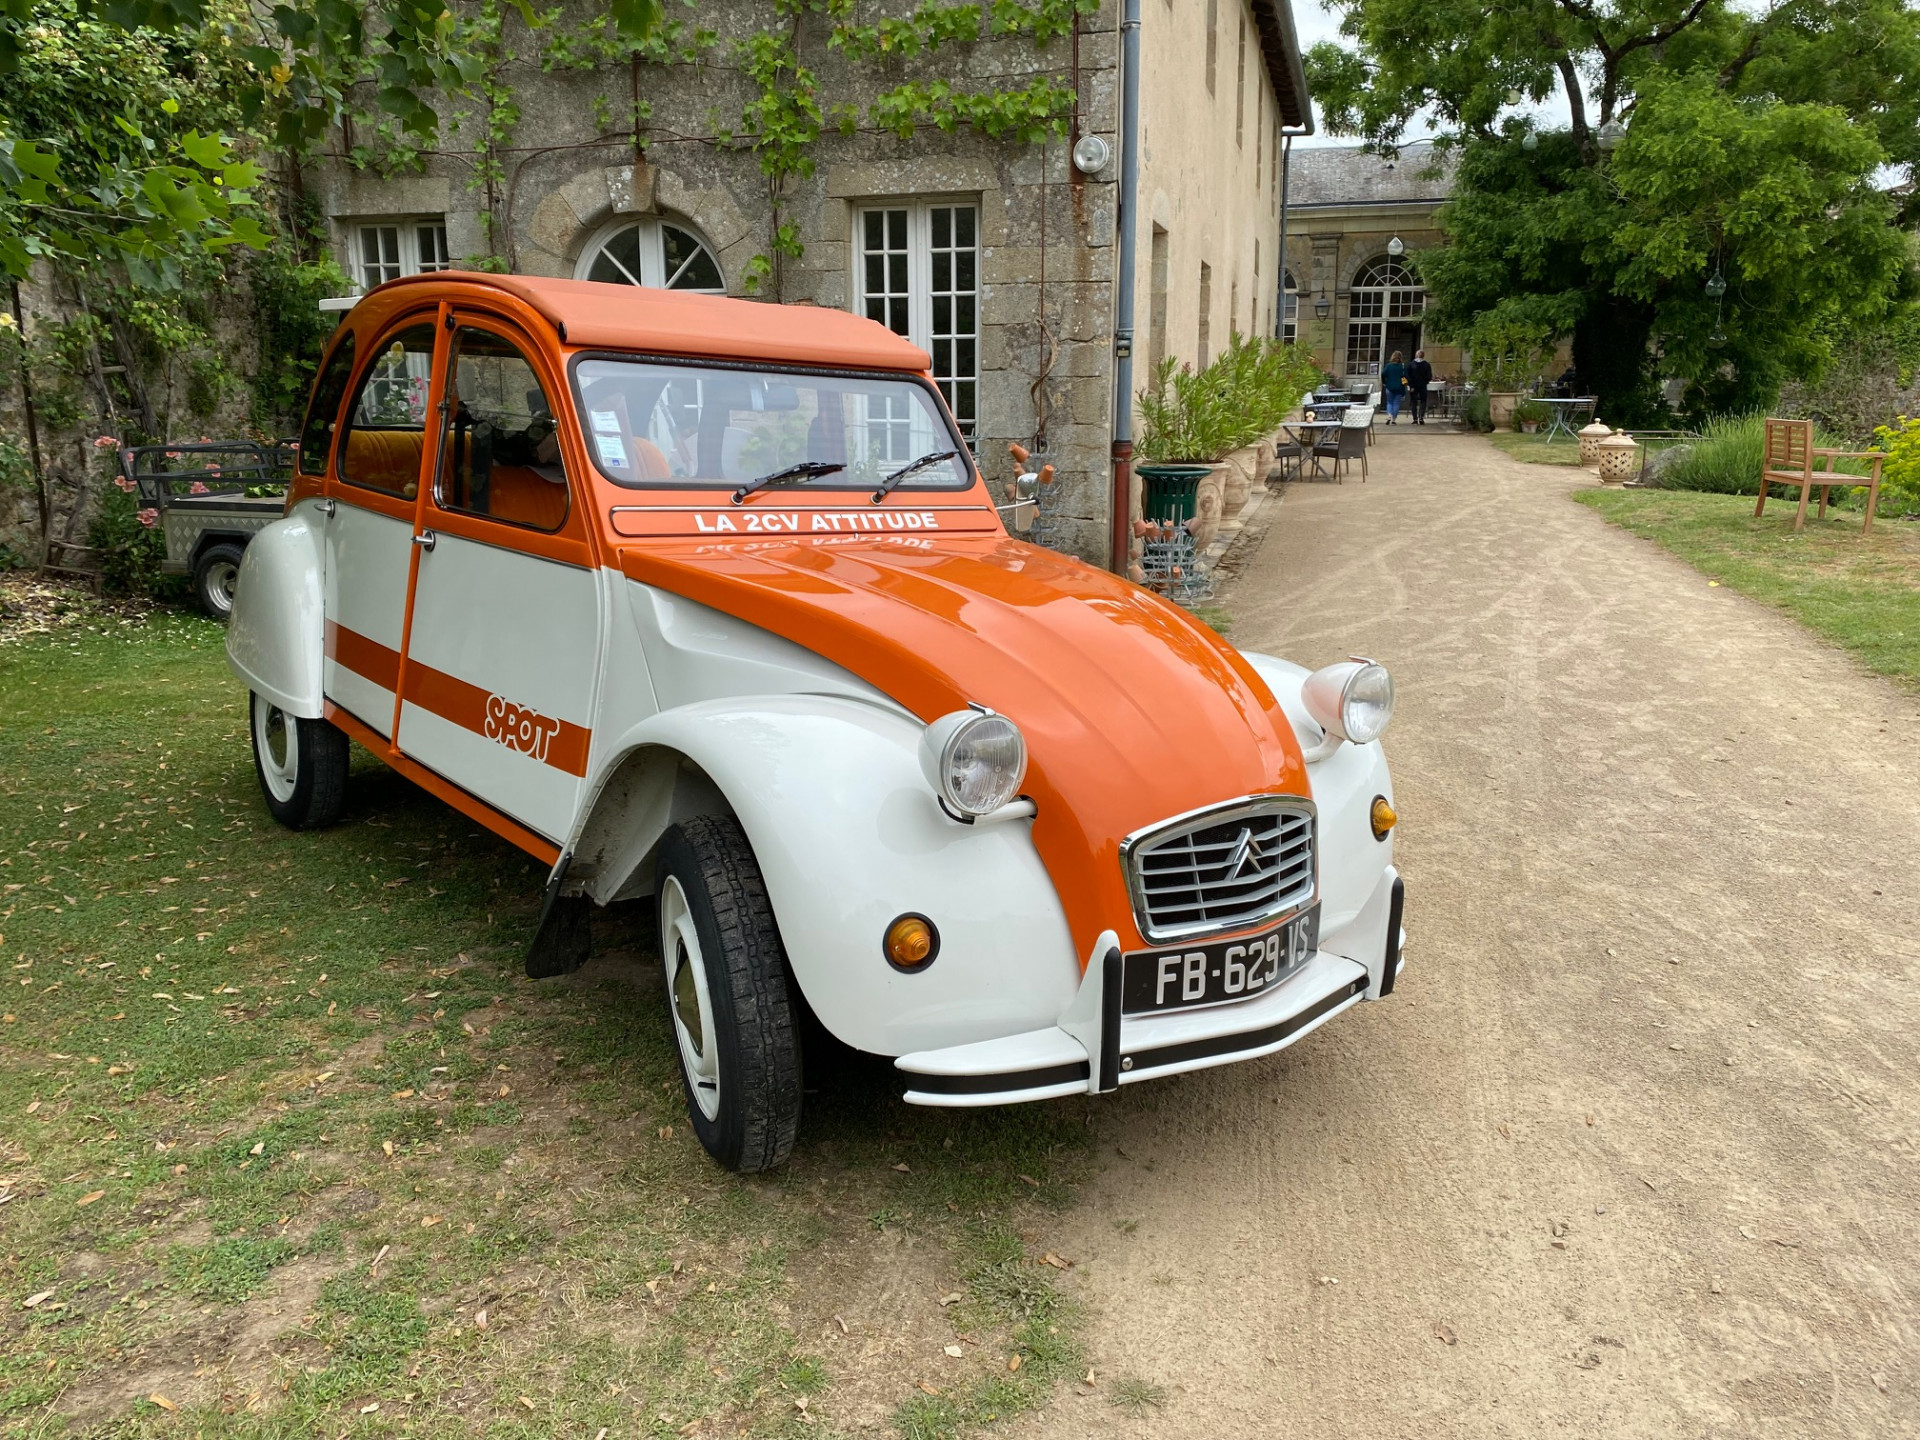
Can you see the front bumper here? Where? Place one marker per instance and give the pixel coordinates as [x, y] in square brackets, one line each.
[1094, 1048]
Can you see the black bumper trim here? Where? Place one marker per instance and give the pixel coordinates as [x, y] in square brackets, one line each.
[1245, 1039]
[1011, 1081]
[1396, 906]
[1112, 972]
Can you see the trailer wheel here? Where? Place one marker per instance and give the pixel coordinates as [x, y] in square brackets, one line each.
[215, 574]
[733, 1015]
[302, 765]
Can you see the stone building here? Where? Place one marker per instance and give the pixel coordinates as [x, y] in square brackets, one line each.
[996, 254]
[1349, 295]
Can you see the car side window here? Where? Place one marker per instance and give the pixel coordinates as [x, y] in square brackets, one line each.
[387, 427]
[500, 456]
[316, 435]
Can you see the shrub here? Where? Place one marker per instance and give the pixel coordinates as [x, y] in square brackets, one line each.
[1477, 410]
[1202, 415]
[1900, 473]
[1530, 412]
[129, 546]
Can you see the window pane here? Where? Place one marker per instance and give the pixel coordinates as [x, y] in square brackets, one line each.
[323, 411]
[689, 265]
[618, 262]
[379, 255]
[648, 423]
[942, 226]
[431, 240]
[501, 456]
[952, 310]
[388, 427]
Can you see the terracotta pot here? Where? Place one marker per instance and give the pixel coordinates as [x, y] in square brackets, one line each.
[1207, 508]
[1619, 458]
[1500, 405]
[1236, 482]
[1590, 438]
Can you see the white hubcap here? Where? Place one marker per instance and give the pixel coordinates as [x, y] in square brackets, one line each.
[277, 741]
[690, 1003]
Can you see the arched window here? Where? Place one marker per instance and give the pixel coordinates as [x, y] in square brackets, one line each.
[1289, 308]
[666, 254]
[1385, 297]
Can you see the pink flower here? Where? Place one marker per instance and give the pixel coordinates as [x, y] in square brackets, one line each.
[213, 470]
[124, 483]
[149, 517]
[173, 454]
[197, 489]
[104, 442]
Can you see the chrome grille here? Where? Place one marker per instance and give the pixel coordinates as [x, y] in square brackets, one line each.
[1222, 870]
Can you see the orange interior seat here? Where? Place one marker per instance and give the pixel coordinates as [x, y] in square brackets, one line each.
[522, 496]
[384, 459]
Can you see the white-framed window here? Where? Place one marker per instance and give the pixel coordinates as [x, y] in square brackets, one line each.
[1384, 291]
[918, 273]
[1289, 309]
[388, 249]
[667, 254]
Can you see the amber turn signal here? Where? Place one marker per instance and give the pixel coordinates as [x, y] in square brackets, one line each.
[911, 943]
[1382, 816]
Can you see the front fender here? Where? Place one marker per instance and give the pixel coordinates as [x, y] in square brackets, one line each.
[849, 837]
[1344, 783]
[276, 637]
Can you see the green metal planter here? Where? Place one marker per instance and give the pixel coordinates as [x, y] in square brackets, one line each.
[1169, 492]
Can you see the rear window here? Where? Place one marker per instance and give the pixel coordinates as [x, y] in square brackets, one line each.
[653, 423]
[316, 435]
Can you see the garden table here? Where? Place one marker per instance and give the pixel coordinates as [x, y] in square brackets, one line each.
[1307, 433]
[1566, 413]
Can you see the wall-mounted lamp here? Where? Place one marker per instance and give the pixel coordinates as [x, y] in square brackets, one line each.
[1321, 305]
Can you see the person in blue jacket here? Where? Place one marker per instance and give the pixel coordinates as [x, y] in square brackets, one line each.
[1393, 386]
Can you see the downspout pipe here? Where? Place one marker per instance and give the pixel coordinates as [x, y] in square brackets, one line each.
[1127, 223]
[1287, 132]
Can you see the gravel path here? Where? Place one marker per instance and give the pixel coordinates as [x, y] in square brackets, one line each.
[1633, 1149]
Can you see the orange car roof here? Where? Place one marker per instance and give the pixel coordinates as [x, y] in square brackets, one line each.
[678, 322]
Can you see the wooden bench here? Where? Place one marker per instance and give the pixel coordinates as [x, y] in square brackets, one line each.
[1788, 460]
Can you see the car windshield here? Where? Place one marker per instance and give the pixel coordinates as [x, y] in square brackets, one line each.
[655, 424]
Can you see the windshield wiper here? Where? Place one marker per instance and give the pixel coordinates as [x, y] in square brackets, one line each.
[805, 470]
[912, 467]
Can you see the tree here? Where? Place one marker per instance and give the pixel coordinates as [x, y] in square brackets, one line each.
[95, 184]
[1752, 145]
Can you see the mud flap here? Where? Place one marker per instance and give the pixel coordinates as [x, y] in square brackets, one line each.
[565, 939]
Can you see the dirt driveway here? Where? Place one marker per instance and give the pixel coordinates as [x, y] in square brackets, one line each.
[1633, 1151]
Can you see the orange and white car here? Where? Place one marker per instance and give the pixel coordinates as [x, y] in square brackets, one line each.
[705, 600]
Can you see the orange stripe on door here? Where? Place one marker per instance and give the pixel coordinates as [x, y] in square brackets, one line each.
[368, 659]
[559, 743]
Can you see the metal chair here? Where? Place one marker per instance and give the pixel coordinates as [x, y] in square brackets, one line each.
[1348, 443]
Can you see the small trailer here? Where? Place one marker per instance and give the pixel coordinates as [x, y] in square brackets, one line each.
[212, 497]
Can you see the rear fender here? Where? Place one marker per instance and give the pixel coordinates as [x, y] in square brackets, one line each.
[849, 837]
[276, 638]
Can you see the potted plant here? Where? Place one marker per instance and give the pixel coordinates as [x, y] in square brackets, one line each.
[1507, 354]
[1529, 415]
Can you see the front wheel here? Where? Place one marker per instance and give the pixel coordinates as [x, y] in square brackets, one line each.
[732, 1012]
[302, 765]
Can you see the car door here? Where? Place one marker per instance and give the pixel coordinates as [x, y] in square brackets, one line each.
[375, 490]
[503, 648]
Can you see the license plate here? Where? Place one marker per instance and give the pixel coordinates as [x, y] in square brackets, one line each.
[1221, 970]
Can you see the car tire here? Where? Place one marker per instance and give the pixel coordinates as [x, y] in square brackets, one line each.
[729, 998]
[215, 574]
[301, 765]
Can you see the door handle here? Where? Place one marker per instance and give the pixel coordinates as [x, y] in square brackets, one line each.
[325, 507]
[426, 539]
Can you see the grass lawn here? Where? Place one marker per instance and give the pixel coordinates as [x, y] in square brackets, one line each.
[1534, 449]
[290, 1147]
[1861, 593]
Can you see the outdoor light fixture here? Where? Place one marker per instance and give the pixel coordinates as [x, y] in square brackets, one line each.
[1716, 285]
[1609, 136]
[1091, 154]
[1321, 305]
[1396, 247]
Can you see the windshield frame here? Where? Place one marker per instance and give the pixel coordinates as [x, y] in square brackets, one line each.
[775, 370]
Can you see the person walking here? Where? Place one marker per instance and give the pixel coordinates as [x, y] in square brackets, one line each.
[1419, 377]
[1393, 386]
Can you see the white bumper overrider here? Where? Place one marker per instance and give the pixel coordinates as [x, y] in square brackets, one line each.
[1067, 1059]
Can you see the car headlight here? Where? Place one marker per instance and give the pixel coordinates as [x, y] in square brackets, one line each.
[1353, 699]
[974, 760]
